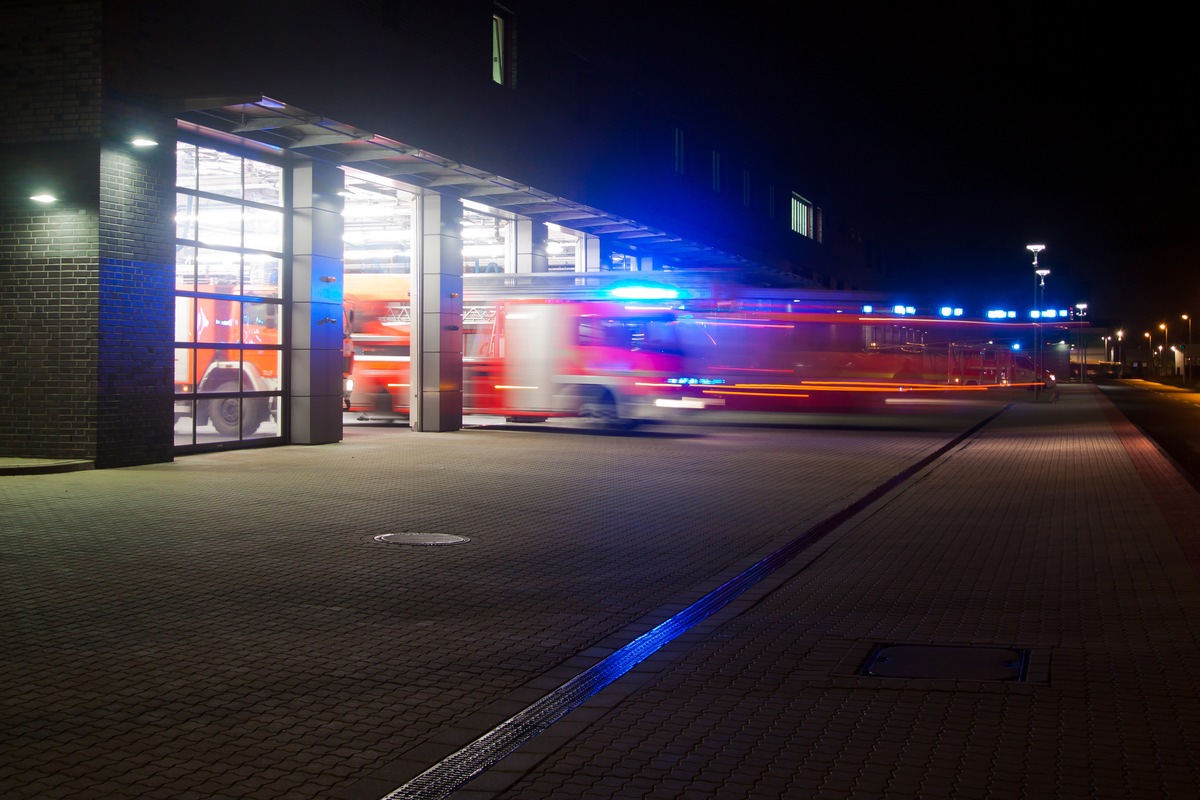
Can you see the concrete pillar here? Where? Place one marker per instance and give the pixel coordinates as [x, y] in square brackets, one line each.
[437, 346]
[531, 246]
[315, 367]
[588, 255]
[646, 264]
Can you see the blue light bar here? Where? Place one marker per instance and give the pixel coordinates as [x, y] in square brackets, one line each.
[642, 291]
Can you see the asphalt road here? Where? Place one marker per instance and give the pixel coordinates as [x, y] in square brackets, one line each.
[1167, 414]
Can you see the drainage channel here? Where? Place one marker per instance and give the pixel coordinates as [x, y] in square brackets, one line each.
[452, 772]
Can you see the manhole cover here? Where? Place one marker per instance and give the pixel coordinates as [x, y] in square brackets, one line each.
[946, 661]
[421, 538]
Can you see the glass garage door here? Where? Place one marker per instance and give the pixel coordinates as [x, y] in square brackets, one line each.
[229, 272]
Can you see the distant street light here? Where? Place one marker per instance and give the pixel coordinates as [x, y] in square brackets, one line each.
[1120, 353]
[1080, 313]
[1039, 280]
[1150, 351]
[1162, 326]
[1189, 361]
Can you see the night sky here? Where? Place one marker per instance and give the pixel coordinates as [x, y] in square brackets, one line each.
[957, 138]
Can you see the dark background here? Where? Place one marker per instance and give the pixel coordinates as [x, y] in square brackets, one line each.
[955, 138]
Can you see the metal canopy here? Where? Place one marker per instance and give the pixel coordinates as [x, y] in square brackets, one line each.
[295, 130]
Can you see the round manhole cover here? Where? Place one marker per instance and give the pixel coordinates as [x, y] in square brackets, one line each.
[421, 538]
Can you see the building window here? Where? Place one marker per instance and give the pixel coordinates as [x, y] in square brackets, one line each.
[716, 171]
[230, 262]
[679, 153]
[502, 49]
[802, 216]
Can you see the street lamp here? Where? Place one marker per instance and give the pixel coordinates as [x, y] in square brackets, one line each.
[1039, 279]
[1080, 313]
[1120, 353]
[1189, 362]
[1150, 352]
[1162, 326]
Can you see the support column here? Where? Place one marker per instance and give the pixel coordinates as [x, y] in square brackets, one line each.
[315, 361]
[436, 352]
[587, 258]
[531, 246]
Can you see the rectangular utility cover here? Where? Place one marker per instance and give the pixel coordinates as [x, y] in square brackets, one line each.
[946, 662]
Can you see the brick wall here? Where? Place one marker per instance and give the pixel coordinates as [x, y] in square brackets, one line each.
[136, 278]
[86, 307]
[50, 99]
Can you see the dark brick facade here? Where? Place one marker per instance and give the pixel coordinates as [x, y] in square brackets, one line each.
[136, 277]
[86, 312]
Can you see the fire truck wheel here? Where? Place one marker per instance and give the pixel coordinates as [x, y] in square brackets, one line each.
[599, 408]
[225, 412]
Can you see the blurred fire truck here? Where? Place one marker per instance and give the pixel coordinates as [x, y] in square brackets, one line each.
[527, 360]
[781, 361]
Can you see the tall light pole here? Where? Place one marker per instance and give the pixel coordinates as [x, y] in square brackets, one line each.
[1080, 313]
[1189, 361]
[1120, 353]
[1150, 351]
[1039, 280]
[1162, 326]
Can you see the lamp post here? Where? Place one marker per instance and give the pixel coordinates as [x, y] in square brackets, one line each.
[1162, 326]
[1080, 313]
[1150, 352]
[1189, 363]
[1120, 353]
[1039, 280]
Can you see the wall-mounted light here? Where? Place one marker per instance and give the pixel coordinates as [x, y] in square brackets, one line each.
[44, 197]
[143, 141]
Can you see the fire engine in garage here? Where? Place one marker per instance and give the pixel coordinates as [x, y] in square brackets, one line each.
[219, 379]
[527, 359]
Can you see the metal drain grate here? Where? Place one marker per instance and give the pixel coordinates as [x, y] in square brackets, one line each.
[425, 539]
[942, 662]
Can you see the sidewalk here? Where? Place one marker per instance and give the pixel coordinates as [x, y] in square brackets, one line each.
[228, 626]
[15, 465]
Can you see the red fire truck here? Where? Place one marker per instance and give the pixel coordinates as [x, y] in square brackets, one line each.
[529, 360]
[223, 367]
[787, 361]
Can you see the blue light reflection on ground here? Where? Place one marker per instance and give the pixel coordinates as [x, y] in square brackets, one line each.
[448, 775]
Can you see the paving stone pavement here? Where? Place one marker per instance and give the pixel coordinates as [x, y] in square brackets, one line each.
[227, 626]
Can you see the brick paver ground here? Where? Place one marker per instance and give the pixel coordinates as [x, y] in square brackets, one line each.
[227, 626]
[1043, 533]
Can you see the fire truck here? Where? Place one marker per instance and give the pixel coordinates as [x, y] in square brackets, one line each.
[777, 361]
[528, 360]
[218, 377]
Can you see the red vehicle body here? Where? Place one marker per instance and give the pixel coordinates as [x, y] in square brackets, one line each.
[781, 361]
[529, 360]
[223, 372]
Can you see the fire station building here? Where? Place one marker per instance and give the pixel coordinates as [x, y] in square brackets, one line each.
[185, 189]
